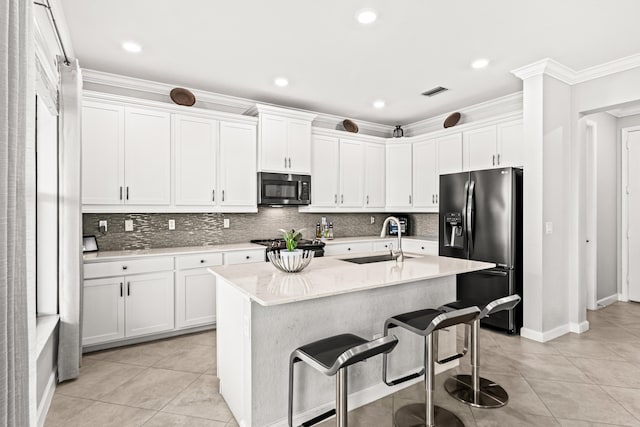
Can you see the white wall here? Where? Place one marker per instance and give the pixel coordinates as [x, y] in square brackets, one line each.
[607, 206]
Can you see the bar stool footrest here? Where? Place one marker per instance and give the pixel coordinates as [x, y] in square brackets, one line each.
[490, 395]
[413, 415]
[405, 378]
[319, 418]
[450, 358]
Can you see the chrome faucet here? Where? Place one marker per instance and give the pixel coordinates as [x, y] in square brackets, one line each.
[397, 252]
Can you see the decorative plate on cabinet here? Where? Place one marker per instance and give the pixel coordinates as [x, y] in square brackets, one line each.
[452, 120]
[182, 96]
[350, 126]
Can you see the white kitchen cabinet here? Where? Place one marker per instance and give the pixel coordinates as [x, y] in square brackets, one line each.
[352, 158]
[425, 173]
[374, 175]
[398, 175]
[244, 257]
[510, 144]
[347, 248]
[325, 171]
[196, 160]
[284, 144]
[149, 304]
[196, 298]
[102, 153]
[103, 310]
[238, 182]
[147, 157]
[384, 245]
[450, 154]
[423, 247]
[494, 146]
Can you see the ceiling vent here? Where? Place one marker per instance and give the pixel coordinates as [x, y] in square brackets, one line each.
[435, 91]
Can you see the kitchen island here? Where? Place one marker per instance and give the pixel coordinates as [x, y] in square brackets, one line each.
[263, 314]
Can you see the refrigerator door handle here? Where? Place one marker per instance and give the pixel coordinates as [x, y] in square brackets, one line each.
[464, 211]
[470, 209]
[493, 273]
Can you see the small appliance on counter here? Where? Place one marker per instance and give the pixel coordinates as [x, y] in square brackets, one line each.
[89, 244]
[404, 226]
[283, 189]
[305, 244]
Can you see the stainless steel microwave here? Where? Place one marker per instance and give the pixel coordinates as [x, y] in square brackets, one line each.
[283, 189]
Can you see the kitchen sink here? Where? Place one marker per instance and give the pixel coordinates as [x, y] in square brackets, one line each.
[373, 258]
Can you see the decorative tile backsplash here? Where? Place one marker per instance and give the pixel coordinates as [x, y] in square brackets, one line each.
[203, 229]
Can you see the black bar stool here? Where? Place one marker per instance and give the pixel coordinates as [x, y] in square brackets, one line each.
[473, 389]
[332, 356]
[426, 323]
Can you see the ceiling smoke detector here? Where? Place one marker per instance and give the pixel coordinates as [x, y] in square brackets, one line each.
[435, 91]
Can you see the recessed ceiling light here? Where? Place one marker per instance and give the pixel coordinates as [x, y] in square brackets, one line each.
[131, 47]
[281, 81]
[366, 16]
[480, 63]
[378, 104]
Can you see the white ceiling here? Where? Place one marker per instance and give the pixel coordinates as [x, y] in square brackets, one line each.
[335, 65]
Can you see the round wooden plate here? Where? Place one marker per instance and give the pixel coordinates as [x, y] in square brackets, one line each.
[452, 120]
[182, 96]
[350, 126]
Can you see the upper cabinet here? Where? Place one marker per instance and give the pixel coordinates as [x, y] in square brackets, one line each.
[284, 142]
[325, 171]
[494, 146]
[351, 173]
[399, 192]
[152, 159]
[374, 175]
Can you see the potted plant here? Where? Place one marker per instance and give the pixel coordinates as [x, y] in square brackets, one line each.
[291, 239]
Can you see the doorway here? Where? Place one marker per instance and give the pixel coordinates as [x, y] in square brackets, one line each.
[630, 238]
[590, 264]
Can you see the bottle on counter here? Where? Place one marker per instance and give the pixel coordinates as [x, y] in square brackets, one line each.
[318, 231]
[330, 230]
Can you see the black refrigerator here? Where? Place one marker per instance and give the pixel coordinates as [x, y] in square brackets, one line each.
[480, 219]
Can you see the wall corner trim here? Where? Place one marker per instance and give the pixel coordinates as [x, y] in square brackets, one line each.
[545, 336]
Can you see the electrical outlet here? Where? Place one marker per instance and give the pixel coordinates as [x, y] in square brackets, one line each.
[226, 223]
[128, 225]
[373, 219]
[172, 224]
[548, 226]
[102, 224]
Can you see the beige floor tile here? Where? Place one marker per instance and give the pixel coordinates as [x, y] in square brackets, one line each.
[201, 399]
[507, 416]
[627, 351]
[578, 423]
[549, 367]
[573, 346]
[378, 413]
[627, 397]
[63, 408]
[152, 389]
[232, 423]
[102, 414]
[586, 402]
[141, 354]
[609, 372]
[98, 378]
[460, 410]
[522, 398]
[190, 358]
[207, 338]
[493, 362]
[517, 345]
[613, 333]
[164, 419]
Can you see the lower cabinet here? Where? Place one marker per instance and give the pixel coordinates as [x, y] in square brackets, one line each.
[196, 298]
[127, 306]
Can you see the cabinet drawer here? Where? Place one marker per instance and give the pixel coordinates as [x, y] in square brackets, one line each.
[127, 267]
[197, 261]
[244, 257]
[425, 247]
[384, 245]
[348, 248]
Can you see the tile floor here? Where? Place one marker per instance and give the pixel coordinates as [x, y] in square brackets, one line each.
[592, 379]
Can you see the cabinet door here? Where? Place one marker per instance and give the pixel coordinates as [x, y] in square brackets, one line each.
[450, 154]
[374, 179]
[351, 173]
[425, 173]
[102, 154]
[480, 148]
[103, 310]
[149, 303]
[147, 166]
[273, 144]
[299, 138]
[196, 144]
[399, 172]
[324, 171]
[348, 248]
[196, 293]
[238, 179]
[510, 144]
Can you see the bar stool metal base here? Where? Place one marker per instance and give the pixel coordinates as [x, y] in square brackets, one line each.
[413, 415]
[490, 395]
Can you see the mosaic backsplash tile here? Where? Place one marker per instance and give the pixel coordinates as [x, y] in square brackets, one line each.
[203, 229]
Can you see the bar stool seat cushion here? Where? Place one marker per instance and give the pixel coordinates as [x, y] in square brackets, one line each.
[418, 320]
[327, 351]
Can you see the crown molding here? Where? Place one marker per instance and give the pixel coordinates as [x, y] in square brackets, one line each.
[287, 112]
[569, 76]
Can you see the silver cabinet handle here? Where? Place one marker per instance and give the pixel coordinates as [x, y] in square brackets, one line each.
[409, 198]
[367, 199]
[342, 199]
[436, 199]
[121, 192]
[498, 158]
[285, 162]
[335, 198]
[213, 195]
[128, 288]
[289, 162]
[433, 198]
[223, 195]
[493, 161]
[127, 192]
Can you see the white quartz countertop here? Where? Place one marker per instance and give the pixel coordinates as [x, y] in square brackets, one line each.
[143, 253]
[328, 276]
[376, 238]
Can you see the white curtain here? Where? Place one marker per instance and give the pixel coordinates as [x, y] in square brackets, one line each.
[70, 284]
[16, 121]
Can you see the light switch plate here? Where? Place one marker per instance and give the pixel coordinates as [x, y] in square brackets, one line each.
[226, 223]
[128, 225]
[172, 224]
[373, 219]
[548, 227]
[103, 226]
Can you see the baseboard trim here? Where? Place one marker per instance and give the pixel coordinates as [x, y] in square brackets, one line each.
[545, 336]
[47, 397]
[622, 298]
[579, 328]
[608, 300]
[362, 397]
